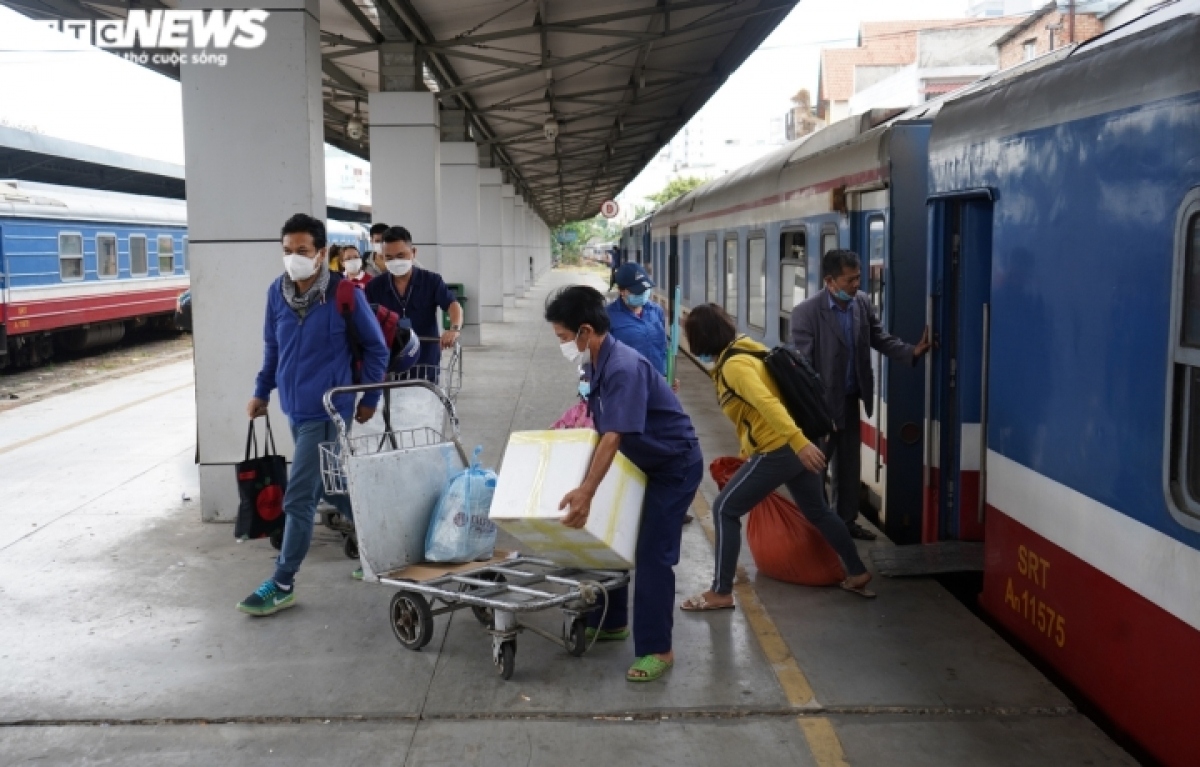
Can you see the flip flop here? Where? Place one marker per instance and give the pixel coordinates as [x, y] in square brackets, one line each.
[863, 592]
[607, 635]
[651, 667]
[698, 604]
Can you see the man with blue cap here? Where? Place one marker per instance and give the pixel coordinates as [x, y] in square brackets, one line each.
[637, 321]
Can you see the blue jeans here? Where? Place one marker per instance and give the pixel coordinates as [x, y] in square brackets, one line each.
[304, 490]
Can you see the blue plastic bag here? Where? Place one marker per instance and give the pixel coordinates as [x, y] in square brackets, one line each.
[460, 530]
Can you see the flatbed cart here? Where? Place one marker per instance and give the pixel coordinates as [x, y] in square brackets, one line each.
[497, 593]
[447, 376]
[395, 483]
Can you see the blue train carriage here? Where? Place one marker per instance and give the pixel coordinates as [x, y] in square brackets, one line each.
[1065, 275]
[347, 233]
[78, 266]
[752, 242]
[635, 242]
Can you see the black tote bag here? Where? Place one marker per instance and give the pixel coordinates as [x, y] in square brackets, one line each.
[262, 482]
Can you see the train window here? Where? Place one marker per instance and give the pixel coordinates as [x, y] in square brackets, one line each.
[829, 240]
[793, 278]
[1184, 468]
[166, 254]
[756, 281]
[185, 254]
[875, 239]
[710, 271]
[137, 255]
[70, 256]
[106, 255]
[731, 296]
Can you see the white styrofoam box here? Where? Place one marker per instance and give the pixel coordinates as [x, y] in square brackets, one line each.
[539, 468]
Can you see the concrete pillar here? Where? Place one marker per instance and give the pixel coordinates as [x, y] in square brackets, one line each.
[254, 148]
[508, 214]
[458, 221]
[406, 167]
[491, 256]
[520, 248]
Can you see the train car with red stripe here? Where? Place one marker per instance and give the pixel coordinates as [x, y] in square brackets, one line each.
[1065, 397]
[1045, 223]
[752, 242]
[78, 266]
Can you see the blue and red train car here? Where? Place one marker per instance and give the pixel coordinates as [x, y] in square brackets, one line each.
[1045, 223]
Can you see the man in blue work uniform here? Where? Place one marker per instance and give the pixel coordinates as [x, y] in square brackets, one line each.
[305, 353]
[637, 413]
[416, 294]
[638, 322]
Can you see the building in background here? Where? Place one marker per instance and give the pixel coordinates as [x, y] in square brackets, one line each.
[903, 63]
[1047, 29]
[801, 119]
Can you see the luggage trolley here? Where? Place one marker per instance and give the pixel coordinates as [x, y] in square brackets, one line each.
[447, 376]
[395, 481]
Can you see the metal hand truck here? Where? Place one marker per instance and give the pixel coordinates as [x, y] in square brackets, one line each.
[395, 484]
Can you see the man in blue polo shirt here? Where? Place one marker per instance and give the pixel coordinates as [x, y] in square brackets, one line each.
[416, 294]
[637, 413]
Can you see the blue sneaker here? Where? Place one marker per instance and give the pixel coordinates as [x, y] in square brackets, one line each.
[268, 599]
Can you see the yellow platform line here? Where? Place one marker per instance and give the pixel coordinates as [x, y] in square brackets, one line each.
[819, 733]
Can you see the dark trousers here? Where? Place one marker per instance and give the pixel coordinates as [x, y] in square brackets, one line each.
[845, 468]
[757, 479]
[668, 497]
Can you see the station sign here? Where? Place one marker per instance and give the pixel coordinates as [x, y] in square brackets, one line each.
[609, 209]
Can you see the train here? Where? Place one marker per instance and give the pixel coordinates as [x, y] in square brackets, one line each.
[80, 267]
[1044, 222]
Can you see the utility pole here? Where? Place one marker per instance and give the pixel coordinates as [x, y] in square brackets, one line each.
[1071, 21]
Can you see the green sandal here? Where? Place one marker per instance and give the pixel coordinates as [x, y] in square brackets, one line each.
[607, 635]
[651, 668]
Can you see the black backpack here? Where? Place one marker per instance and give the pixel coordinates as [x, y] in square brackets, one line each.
[800, 388]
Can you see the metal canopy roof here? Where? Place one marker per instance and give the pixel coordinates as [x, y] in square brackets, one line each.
[619, 78]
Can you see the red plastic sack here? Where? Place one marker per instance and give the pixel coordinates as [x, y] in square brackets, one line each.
[785, 545]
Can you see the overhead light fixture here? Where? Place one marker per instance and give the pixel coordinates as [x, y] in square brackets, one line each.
[354, 125]
[550, 128]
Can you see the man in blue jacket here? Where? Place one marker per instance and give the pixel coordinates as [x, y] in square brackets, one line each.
[306, 352]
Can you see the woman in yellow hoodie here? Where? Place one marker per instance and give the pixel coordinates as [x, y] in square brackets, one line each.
[777, 453]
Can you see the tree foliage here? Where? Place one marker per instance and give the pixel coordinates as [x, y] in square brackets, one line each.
[677, 187]
[570, 239]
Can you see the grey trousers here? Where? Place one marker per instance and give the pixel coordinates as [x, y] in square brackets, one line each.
[757, 479]
[845, 467]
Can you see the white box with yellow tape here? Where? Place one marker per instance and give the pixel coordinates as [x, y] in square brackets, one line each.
[539, 468]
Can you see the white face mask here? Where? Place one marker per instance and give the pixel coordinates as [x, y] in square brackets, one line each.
[299, 267]
[399, 266]
[570, 350]
[353, 265]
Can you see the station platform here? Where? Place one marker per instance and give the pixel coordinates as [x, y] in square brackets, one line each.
[119, 642]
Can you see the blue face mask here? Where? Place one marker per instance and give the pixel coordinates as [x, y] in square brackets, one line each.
[585, 389]
[637, 301]
[707, 359]
[842, 295]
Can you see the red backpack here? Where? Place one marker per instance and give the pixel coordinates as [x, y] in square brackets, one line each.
[389, 323]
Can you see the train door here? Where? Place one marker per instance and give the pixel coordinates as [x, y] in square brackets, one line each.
[868, 239]
[957, 371]
[672, 270]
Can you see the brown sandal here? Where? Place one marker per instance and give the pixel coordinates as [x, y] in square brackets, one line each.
[698, 604]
